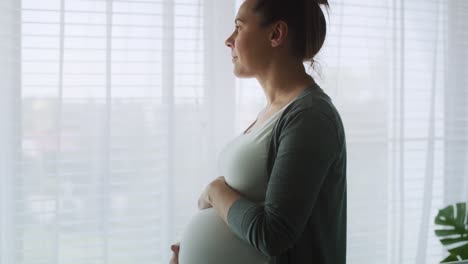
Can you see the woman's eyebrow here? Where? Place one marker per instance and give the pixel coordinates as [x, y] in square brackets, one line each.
[238, 19]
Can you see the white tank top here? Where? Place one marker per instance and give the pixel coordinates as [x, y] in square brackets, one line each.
[243, 163]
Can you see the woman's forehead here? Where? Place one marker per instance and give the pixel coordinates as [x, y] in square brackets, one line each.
[245, 11]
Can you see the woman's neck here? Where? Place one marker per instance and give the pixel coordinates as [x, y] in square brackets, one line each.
[283, 82]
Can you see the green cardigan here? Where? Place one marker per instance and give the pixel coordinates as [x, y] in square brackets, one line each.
[303, 219]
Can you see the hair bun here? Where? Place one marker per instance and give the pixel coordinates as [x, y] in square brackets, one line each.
[322, 2]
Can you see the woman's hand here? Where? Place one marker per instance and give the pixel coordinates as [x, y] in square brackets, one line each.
[205, 199]
[175, 253]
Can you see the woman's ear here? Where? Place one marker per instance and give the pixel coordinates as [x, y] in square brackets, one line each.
[278, 33]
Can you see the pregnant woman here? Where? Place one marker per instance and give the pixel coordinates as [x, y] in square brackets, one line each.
[282, 194]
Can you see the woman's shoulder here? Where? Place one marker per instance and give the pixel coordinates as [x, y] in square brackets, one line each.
[312, 109]
[315, 100]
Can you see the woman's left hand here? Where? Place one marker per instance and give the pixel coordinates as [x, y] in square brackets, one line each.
[204, 200]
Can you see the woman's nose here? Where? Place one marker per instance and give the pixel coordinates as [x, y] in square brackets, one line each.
[228, 42]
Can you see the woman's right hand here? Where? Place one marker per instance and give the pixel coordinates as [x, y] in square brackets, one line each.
[175, 253]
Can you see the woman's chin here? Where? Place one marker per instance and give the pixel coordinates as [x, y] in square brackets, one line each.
[242, 74]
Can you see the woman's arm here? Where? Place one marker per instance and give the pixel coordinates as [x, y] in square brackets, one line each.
[219, 196]
[308, 145]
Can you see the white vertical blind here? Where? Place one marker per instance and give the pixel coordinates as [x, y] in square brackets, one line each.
[9, 127]
[114, 111]
[456, 103]
[109, 89]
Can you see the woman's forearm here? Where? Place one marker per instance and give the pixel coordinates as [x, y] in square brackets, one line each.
[221, 197]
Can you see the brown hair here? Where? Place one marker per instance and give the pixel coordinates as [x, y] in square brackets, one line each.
[306, 23]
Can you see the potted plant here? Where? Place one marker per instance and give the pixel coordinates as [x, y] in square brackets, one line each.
[452, 230]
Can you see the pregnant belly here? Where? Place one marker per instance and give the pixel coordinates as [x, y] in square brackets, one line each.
[208, 240]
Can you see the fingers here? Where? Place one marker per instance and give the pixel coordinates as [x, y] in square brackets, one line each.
[175, 256]
[175, 247]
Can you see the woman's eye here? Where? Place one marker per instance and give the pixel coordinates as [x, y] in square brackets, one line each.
[237, 27]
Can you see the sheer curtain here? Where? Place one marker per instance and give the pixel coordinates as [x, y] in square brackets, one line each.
[113, 113]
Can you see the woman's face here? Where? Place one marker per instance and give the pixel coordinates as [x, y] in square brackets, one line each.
[249, 43]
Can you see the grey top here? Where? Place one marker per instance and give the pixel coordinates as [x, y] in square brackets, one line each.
[303, 219]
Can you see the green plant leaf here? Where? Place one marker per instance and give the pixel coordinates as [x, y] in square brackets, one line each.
[453, 221]
[449, 241]
[443, 233]
[449, 258]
